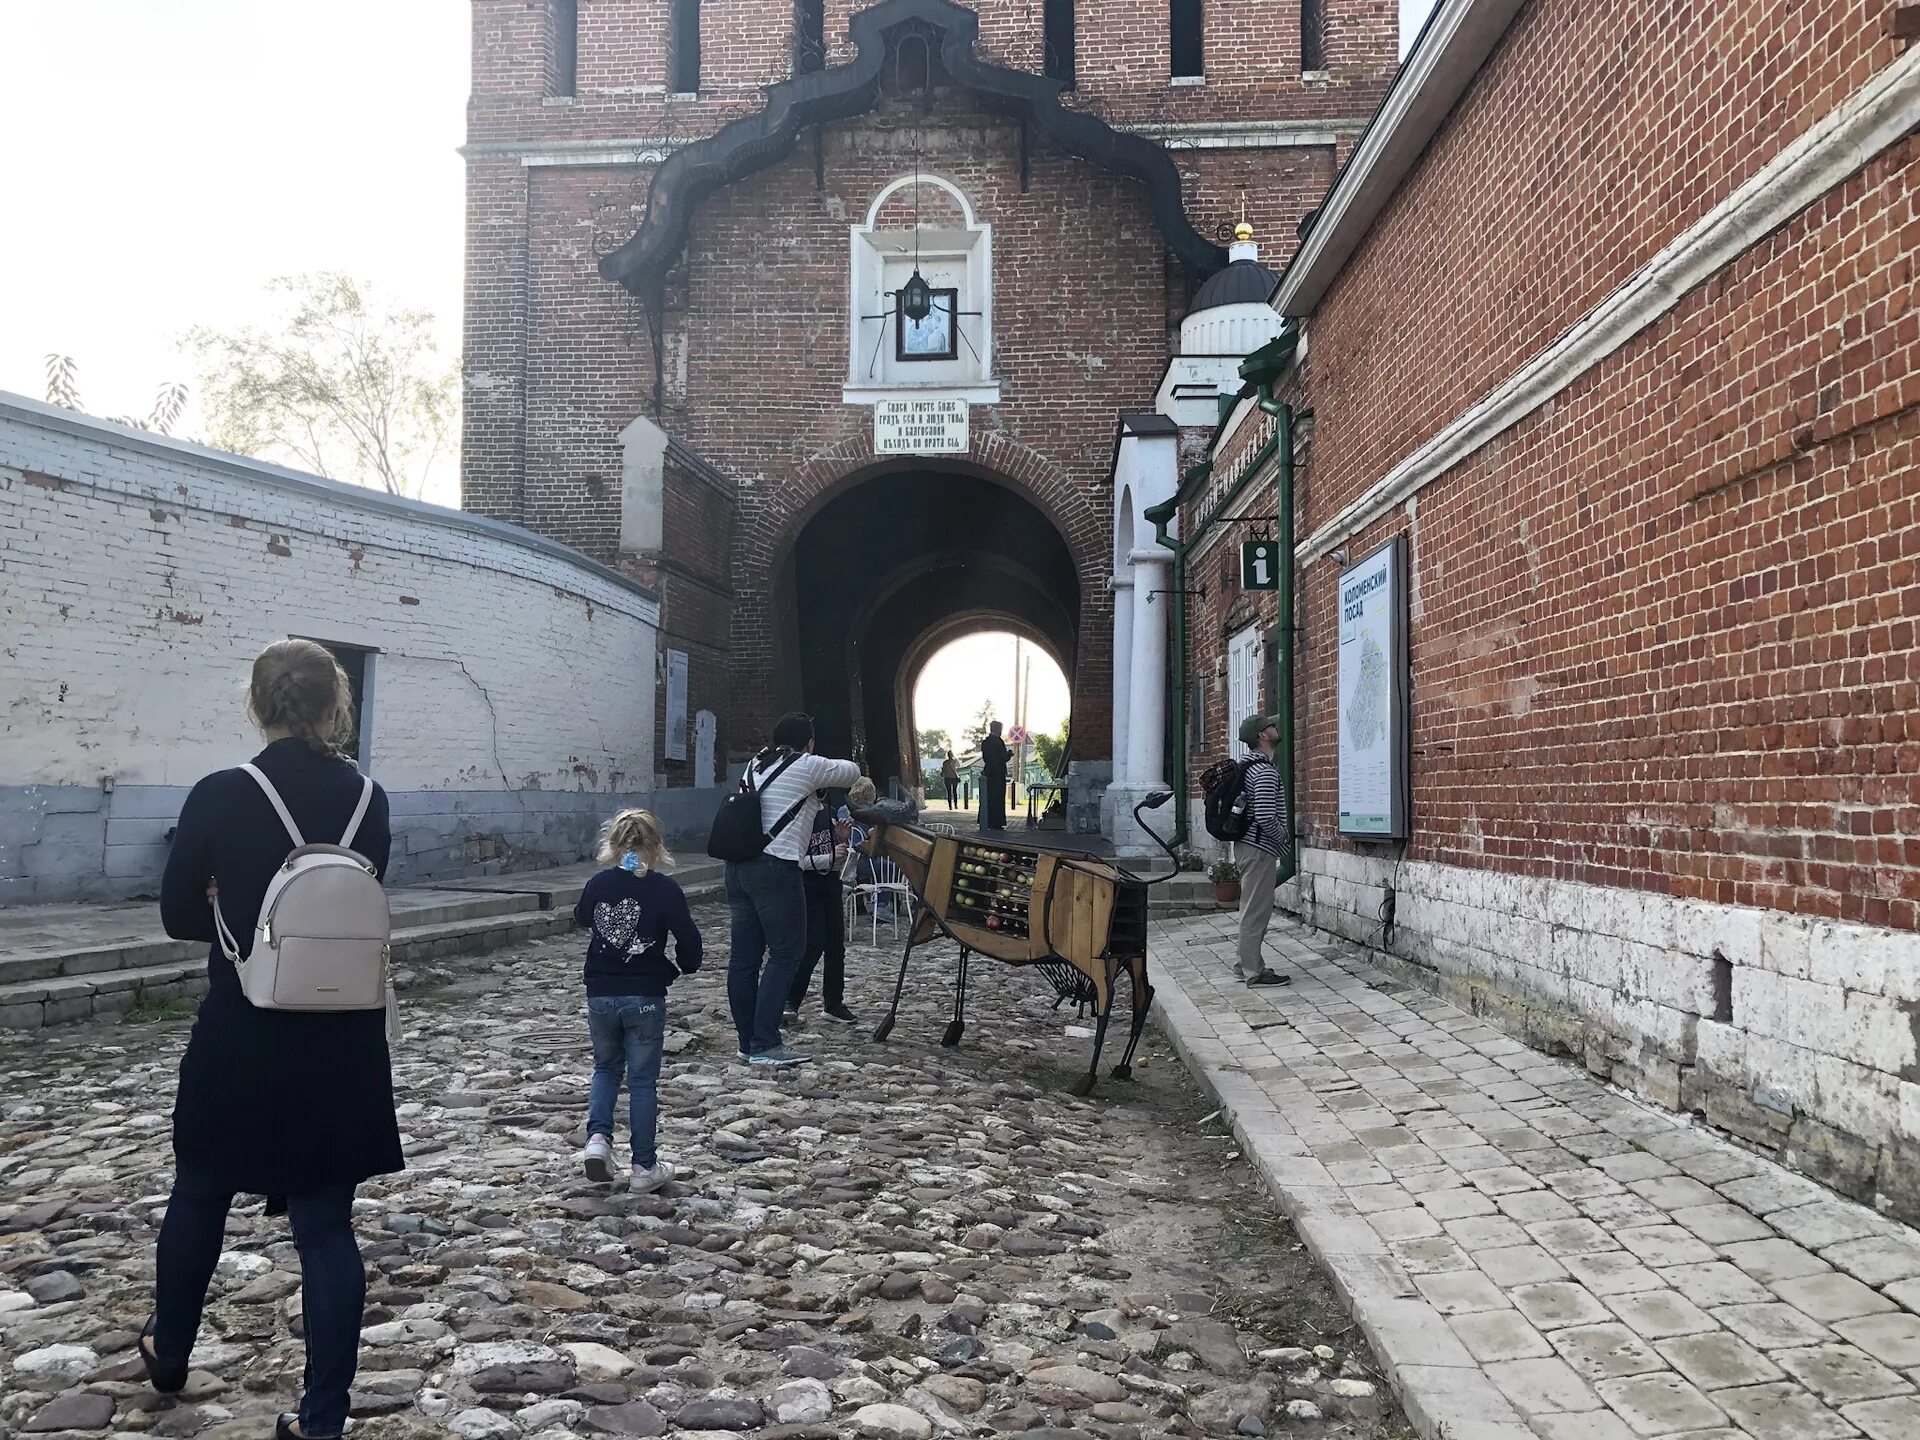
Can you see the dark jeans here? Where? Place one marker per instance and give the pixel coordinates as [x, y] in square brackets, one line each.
[993, 803]
[333, 1287]
[768, 908]
[826, 936]
[953, 794]
[628, 1032]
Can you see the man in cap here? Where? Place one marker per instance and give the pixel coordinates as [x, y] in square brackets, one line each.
[1270, 837]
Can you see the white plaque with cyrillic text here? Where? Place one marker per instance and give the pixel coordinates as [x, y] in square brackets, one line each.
[920, 427]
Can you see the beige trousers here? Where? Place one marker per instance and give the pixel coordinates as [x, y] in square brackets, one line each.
[1256, 909]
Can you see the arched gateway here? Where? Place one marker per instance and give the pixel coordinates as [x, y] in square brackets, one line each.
[834, 355]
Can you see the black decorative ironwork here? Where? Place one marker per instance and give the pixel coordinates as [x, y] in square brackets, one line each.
[841, 92]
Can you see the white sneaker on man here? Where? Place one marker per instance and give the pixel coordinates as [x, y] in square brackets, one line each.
[598, 1158]
[650, 1177]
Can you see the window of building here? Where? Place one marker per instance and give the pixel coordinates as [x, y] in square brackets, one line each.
[563, 20]
[357, 661]
[809, 36]
[1057, 21]
[1313, 36]
[1243, 684]
[1186, 30]
[683, 47]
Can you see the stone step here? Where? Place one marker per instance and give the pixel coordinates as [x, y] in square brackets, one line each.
[176, 969]
[411, 909]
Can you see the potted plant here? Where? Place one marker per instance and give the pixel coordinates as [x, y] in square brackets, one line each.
[1226, 881]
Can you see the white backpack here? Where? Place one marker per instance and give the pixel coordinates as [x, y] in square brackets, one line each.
[322, 941]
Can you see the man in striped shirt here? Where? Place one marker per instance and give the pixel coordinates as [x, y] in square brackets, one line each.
[765, 898]
[1270, 837]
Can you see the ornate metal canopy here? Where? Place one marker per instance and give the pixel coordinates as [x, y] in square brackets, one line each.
[841, 92]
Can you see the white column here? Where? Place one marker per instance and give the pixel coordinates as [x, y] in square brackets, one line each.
[1122, 586]
[1147, 680]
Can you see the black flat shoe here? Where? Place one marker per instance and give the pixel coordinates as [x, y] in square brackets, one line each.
[283, 1430]
[167, 1379]
[1271, 977]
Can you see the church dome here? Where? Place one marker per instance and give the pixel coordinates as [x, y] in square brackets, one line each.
[1230, 315]
[1245, 281]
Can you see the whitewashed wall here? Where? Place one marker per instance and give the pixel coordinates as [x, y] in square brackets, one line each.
[514, 680]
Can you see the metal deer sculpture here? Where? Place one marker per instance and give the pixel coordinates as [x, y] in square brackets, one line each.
[1080, 921]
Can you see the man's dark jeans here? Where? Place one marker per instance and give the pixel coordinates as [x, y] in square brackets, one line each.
[826, 937]
[769, 912]
[333, 1286]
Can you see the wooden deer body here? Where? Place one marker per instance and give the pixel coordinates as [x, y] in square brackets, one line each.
[1079, 921]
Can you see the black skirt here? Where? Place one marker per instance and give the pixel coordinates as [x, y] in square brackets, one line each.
[276, 1103]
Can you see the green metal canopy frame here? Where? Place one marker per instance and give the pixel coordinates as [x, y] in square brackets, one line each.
[842, 92]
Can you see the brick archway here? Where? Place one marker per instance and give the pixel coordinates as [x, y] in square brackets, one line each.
[1001, 498]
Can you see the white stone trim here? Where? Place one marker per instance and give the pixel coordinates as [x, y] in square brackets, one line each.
[1453, 45]
[1246, 134]
[552, 159]
[1879, 114]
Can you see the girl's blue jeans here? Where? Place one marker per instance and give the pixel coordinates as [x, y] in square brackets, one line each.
[628, 1032]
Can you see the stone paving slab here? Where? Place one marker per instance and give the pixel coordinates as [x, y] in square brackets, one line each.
[1533, 1255]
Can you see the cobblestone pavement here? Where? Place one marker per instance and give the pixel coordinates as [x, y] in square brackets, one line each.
[898, 1241]
[1532, 1253]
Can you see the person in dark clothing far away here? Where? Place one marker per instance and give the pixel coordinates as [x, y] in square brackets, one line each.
[765, 898]
[1270, 837]
[632, 907]
[993, 780]
[950, 777]
[295, 1106]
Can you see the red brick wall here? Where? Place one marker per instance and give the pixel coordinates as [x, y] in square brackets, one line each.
[558, 361]
[1662, 629]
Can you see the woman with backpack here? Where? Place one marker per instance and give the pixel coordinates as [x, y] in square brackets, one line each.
[294, 1106]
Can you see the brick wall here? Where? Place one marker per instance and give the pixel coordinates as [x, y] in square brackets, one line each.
[1664, 716]
[513, 684]
[755, 334]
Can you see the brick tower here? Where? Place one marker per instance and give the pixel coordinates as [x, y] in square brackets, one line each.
[820, 315]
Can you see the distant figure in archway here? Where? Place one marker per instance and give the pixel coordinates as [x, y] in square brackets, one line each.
[993, 780]
[950, 777]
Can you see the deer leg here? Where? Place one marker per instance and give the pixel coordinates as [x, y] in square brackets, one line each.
[885, 1028]
[957, 1026]
[1142, 1002]
[1084, 1085]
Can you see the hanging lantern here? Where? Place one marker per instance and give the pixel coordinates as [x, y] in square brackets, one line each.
[916, 298]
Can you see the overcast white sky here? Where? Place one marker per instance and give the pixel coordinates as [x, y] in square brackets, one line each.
[980, 668]
[166, 158]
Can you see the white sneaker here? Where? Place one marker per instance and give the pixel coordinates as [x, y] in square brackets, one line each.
[651, 1177]
[598, 1158]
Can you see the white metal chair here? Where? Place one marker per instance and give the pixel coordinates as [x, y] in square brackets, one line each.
[890, 883]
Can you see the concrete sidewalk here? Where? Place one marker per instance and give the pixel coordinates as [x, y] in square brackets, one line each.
[1533, 1255]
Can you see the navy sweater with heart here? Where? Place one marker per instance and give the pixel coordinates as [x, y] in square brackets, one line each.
[631, 916]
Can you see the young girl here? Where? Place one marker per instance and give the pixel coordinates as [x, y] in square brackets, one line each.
[631, 908]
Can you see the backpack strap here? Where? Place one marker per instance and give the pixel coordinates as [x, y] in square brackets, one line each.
[769, 776]
[359, 812]
[280, 806]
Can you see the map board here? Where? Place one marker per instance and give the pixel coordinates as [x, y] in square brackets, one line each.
[1375, 736]
[676, 705]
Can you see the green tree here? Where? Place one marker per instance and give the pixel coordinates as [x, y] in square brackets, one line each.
[934, 744]
[63, 389]
[338, 383]
[1052, 750]
[977, 731]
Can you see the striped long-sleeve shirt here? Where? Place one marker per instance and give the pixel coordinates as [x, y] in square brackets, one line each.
[1270, 831]
[803, 780]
